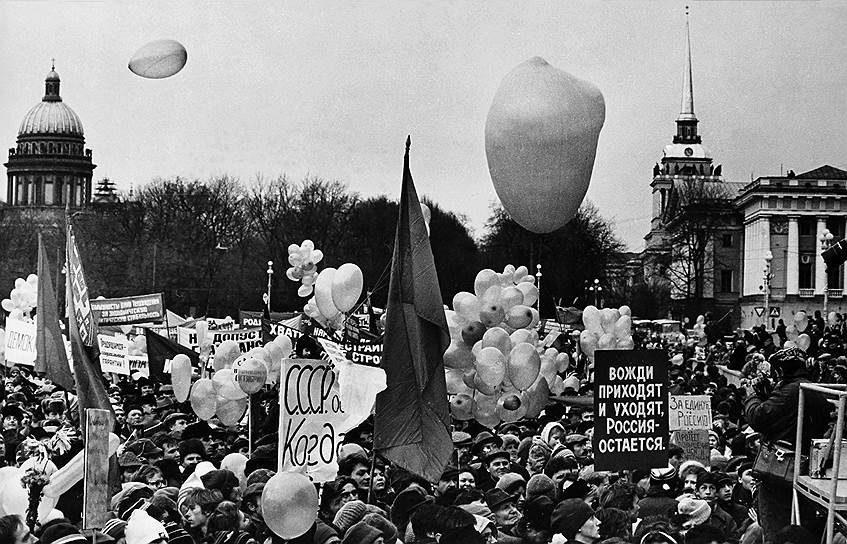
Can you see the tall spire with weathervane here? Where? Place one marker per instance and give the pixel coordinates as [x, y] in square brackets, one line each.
[686, 123]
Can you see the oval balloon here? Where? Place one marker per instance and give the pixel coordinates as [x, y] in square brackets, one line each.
[472, 332]
[285, 343]
[484, 279]
[490, 366]
[323, 293]
[275, 351]
[226, 354]
[461, 407]
[159, 59]
[289, 504]
[524, 365]
[466, 305]
[485, 410]
[261, 354]
[804, 341]
[541, 133]
[519, 316]
[225, 386]
[181, 376]
[230, 412]
[530, 293]
[203, 398]
[347, 286]
[497, 338]
[491, 315]
[458, 356]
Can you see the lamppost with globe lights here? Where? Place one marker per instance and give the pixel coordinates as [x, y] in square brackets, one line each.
[267, 295]
[826, 240]
[538, 285]
[767, 276]
[596, 289]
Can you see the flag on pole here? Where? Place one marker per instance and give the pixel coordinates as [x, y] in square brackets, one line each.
[160, 348]
[51, 357]
[89, 384]
[412, 416]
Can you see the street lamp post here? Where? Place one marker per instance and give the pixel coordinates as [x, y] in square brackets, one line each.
[267, 295]
[596, 289]
[826, 241]
[767, 276]
[538, 285]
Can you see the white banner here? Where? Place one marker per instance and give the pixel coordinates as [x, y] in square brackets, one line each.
[113, 353]
[140, 364]
[20, 342]
[689, 412]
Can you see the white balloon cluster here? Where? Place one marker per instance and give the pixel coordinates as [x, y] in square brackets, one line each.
[304, 261]
[22, 299]
[609, 328]
[236, 376]
[496, 368]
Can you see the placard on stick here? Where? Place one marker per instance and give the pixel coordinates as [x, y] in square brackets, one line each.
[630, 409]
[96, 494]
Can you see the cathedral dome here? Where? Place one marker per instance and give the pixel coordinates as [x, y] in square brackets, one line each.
[51, 116]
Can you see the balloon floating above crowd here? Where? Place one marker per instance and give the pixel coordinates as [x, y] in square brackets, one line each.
[159, 59]
[540, 141]
[22, 299]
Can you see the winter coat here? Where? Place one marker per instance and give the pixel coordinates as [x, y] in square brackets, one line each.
[776, 416]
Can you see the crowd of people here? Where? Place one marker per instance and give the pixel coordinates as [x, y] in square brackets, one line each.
[180, 480]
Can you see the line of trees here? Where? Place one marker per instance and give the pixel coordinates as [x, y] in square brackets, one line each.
[206, 244]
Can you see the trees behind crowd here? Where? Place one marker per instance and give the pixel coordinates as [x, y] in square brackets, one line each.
[206, 244]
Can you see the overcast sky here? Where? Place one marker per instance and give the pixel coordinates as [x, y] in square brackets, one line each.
[332, 88]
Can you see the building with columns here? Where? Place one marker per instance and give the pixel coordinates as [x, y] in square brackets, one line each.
[741, 250]
[50, 166]
[785, 218]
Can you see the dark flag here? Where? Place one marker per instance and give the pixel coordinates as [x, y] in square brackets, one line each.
[52, 359]
[161, 348]
[412, 416]
[89, 384]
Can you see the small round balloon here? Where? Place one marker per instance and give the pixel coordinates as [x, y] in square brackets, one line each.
[250, 373]
[289, 504]
[230, 412]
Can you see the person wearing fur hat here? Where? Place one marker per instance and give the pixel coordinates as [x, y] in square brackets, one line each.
[707, 490]
[12, 418]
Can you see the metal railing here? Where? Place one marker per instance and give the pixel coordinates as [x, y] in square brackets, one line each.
[807, 293]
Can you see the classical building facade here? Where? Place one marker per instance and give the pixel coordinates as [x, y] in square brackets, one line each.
[749, 252]
[50, 165]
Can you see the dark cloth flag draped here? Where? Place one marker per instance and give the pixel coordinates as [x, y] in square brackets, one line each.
[161, 348]
[89, 384]
[412, 416]
[52, 358]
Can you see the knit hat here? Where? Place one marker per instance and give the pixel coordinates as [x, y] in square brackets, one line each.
[143, 529]
[351, 449]
[537, 512]
[540, 484]
[662, 477]
[378, 522]
[62, 533]
[510, 482]
[349, 514]
[696, 510]
[688, 465]
[569, 516]
[129, 460]
[360, 533]
[253, 489]
[262, 457]
[259, 476]
[115, 528]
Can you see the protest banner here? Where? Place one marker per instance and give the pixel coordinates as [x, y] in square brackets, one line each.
[141, 364]
[310, 414]
[129, 310]
[95, 501]
[630, 409]
[113, 353]
[248, 318]
[20, 342]
[690, 412]
[246, 339]
[694, 444]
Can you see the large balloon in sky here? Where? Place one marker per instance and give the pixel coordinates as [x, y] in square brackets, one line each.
[540, 140]
[158, 59]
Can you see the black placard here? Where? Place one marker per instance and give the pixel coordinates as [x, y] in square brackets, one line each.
[630, 409]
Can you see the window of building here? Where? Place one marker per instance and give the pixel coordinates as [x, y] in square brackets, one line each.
[726, 281]
[807, 226]
[726, 240]
[807, 278]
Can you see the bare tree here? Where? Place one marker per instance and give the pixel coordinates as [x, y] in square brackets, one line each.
[697, 212]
